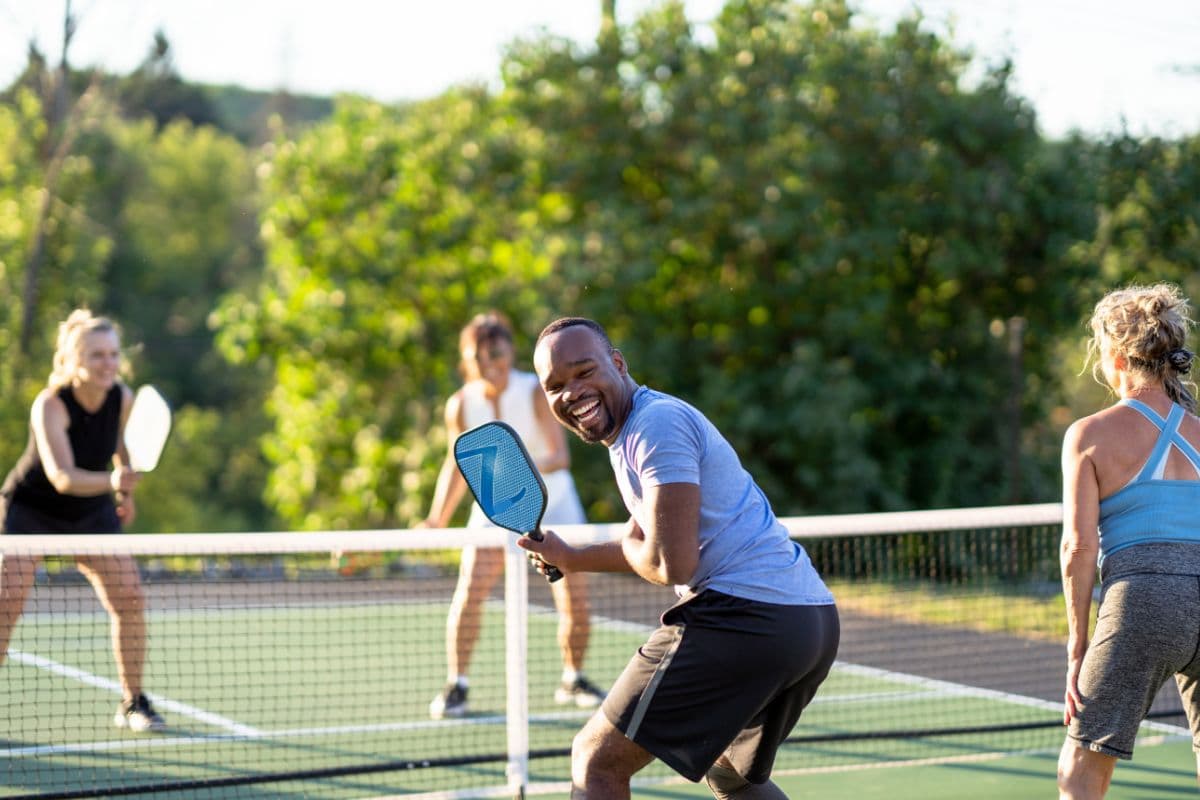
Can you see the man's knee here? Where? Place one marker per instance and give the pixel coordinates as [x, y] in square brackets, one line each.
[602, 756]
[586, 753]
[727, 785]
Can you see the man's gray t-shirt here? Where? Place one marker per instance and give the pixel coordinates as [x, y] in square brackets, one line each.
[744, 550]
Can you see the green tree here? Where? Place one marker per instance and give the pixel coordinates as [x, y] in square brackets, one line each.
[180, 204]
[385, 230]
[156, 89]
[838, 231]
[149, 226]
[1150, 211]
[44, 210]
[1148, 230]
[862, 263]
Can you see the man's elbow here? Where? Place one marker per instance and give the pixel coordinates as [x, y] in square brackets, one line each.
[677, 573]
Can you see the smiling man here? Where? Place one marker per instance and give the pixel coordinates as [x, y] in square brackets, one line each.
[718, 686]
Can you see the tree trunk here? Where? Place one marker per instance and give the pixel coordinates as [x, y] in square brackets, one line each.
[607, 41]
[58, 114]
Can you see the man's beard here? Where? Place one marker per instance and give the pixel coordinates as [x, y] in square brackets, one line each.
[594, 435]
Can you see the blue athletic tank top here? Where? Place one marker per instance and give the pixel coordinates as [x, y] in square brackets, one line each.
[1150, 509]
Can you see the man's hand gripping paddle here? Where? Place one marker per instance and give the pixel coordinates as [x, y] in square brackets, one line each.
[506, 484]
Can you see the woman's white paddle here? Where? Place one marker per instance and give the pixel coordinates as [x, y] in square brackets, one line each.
[147, 428]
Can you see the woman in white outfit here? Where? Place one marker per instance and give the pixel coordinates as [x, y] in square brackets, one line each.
[494, 390]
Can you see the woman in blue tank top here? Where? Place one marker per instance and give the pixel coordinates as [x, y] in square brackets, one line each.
[73, 467]
[1131, 487]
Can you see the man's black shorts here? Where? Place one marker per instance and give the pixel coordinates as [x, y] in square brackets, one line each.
[723, 674]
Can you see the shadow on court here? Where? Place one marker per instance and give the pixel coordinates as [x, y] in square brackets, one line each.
[1126, 777]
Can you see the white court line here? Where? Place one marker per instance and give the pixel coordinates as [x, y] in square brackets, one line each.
[90, 679]
[253, 734]
[963, 690]
[237, 730]
[202, 611]
[876, 697]
[930, 687]
[927, 688]
[564, 787]
[608, 623]
[471, 794]
[948, 688]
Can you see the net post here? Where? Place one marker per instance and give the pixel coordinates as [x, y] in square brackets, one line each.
[516, 640]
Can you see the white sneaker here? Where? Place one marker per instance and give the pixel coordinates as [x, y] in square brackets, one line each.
[138, 716]
[582, 692]
[450, 702]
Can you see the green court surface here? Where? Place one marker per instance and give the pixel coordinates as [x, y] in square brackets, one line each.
[320, 685]
[251, 690]
[1159, 772]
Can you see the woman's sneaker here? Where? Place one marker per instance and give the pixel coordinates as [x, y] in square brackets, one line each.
[582, 692]
[138, 715]
[451, 702]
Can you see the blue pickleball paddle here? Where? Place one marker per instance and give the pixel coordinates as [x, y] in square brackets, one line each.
[501, 475]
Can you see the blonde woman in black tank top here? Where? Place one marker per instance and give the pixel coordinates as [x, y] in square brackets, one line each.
[66, 482]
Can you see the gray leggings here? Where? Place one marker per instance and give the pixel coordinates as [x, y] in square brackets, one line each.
[1147, 630]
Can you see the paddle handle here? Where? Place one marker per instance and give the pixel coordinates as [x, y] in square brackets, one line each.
[552, 572]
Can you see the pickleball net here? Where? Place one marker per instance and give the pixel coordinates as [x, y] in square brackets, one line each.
[303, 664]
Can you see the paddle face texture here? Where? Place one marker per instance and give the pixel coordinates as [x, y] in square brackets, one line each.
[147, 428]
[504, 480]
[501, 476]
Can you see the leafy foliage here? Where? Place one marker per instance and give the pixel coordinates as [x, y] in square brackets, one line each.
[149, 226]
[844, 235]
[385, 229]
[864, 264]
[156, 89]
[39, 190]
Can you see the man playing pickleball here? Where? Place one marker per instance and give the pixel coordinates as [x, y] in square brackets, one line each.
[718, 686]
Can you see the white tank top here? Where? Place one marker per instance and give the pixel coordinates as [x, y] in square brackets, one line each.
[516, 408]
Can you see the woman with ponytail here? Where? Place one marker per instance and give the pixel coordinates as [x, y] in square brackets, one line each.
[1131, 496]
[68, 480]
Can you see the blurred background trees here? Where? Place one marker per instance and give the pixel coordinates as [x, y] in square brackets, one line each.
[869, 270]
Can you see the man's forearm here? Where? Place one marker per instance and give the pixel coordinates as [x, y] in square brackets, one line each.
[642, 560]
[606, 557]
